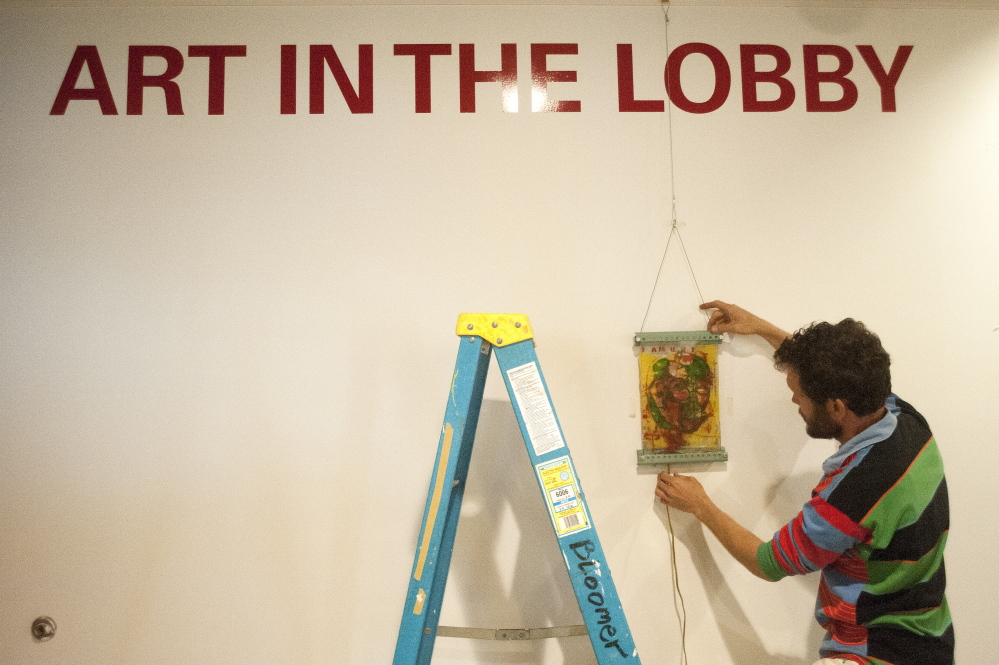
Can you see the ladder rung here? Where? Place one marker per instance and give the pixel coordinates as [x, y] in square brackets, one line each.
[511, 633]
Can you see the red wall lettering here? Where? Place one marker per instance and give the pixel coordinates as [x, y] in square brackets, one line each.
[723, 78]
[101, 92]
[289, 78]
[541, 77]
[813, 77]
[767, 82]
[216, 55]
[626, 101]
[751, 77]
[469, 76]
[138, 80]
[358, 101]
[421, 54]
[886, 80]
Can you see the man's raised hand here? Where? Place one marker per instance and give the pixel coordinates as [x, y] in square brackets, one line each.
[729, 318]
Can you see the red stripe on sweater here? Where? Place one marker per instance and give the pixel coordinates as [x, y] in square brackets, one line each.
[818, 556]
[839, 520]
[827, 479]
[851, 565]
[842, 624]
[789, 551]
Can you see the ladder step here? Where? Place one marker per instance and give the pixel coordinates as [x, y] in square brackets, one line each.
[511, 633]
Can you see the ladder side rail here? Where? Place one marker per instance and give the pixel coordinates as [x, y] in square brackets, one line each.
[582, 553]
[421, 611]
[457, 482]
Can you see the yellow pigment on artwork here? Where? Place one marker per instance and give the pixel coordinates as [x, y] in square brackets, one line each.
[679, 397]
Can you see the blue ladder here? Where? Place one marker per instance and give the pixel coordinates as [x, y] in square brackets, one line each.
[510, 336]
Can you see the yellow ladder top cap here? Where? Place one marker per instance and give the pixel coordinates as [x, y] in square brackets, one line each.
[497, 329]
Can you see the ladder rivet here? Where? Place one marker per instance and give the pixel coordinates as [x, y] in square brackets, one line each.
[471, 327]
[517, 324]
[495, 325]
[426, 631]
[471, 339]
[499, 340]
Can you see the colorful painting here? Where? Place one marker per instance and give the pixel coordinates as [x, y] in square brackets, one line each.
[679, 397]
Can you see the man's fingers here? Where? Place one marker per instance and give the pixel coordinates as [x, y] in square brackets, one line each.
[720, 318]
[663, 487]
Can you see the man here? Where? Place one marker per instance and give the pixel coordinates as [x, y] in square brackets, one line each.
[877, 522]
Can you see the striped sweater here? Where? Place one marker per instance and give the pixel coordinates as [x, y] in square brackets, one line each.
[876, 527]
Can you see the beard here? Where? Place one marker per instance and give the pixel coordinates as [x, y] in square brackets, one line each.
[821, 426]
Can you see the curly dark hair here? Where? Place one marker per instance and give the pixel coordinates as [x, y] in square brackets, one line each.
[841, 360]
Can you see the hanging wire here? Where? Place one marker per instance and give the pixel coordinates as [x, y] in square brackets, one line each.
[681, 607]
[669, 116]
[674, 228]
[652, 295]
[678, 603]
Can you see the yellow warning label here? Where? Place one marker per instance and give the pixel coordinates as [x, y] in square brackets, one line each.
[565, 504]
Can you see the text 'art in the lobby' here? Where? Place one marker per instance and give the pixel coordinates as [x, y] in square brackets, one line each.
[825, 75]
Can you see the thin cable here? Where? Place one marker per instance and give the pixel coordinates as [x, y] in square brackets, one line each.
[672, 183]
[669, 114]
[687, 259]
[681, 608]
[662, 262]
[672, 188]
[654, 285]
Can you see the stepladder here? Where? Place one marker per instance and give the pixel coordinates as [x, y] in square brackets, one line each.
[510, 338]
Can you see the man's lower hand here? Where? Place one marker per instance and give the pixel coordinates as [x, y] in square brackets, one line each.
[682, 492]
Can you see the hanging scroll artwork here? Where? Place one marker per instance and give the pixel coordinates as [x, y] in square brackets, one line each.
[678, 392]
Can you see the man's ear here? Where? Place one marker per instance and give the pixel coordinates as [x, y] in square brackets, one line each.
[837, 410]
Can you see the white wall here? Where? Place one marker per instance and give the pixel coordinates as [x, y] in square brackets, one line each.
[226, 340]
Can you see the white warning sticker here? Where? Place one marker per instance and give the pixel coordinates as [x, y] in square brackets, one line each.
[561, 491]
[535, 408]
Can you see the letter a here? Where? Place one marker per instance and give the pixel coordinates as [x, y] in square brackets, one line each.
[101, 92]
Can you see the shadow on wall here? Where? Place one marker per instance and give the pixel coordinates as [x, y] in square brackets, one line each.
[832, 22]
[507, 570]
[741, 640]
